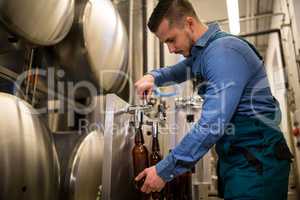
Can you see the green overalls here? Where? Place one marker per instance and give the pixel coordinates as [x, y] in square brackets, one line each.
[254, 160]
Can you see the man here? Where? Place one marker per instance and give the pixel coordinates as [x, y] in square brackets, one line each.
[239, 113]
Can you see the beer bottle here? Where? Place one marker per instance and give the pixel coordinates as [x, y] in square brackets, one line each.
[140, 156]
[180, 188]
[186, 186]
[171, 188]
[174, 190]
[155, 156]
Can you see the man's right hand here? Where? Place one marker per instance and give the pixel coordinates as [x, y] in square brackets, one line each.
[145, 85]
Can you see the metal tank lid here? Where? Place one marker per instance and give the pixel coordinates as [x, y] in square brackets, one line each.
[96, 50]
[29, 167]
[40, 22]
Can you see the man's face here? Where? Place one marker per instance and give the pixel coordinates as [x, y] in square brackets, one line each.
[178, 38]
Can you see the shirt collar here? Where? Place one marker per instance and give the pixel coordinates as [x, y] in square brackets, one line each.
[212, 29]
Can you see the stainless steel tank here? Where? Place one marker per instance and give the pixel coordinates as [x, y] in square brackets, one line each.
[41, 22]
[97, 47]
[84, 178]
[11, 57]
[29, 166]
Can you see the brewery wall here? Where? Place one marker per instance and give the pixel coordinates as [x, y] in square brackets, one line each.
[283, 69]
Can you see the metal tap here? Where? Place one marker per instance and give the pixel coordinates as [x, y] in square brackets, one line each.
[138, 118]
[162, 111]
[193, 102]
[154, 128]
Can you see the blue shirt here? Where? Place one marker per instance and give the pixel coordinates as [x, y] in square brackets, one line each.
[233, 82]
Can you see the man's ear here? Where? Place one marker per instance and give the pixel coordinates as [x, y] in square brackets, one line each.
[189, 22]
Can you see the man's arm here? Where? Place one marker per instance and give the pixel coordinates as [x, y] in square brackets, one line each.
[174, 74]
[227, 73]
[164, 76]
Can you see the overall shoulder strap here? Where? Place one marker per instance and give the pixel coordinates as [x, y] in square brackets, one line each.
[222, 34]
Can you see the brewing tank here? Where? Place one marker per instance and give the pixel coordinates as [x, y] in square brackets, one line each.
[96, 49]
[41, 22]
[29, 166]
[84, 174]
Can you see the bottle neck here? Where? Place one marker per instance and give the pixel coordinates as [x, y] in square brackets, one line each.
[155, 145]
[139, 138]
[155, 142]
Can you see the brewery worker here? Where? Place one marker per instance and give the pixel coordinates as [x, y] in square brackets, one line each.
[239, 112]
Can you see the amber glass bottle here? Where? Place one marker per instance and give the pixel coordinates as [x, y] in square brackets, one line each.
[155, 157]
[139, 155]
[180, 188]
[140, 160]
[186, 186]
[171, 188]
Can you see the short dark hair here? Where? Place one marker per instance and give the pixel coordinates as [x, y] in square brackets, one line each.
[173, 10]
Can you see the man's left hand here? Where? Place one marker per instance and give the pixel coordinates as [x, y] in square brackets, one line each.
[153, 183]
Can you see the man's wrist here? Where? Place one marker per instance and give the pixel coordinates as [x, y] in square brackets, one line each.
[150, 74]
[156, 76]
[165, 169]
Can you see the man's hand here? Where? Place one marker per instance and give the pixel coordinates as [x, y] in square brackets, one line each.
[145, 85]
[153, 183]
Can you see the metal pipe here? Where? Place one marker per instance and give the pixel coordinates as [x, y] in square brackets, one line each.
[255, 22]
[8, 74]
[290, 25]
[245, 18]
[298, 67]
[252, 22]
[145, 35]
[266, 32]
[13, 77]
[298, 58]
[130, 52]
[296, 171]
[161, 55]
[248, 14]
[35, 83]
[28, 68]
